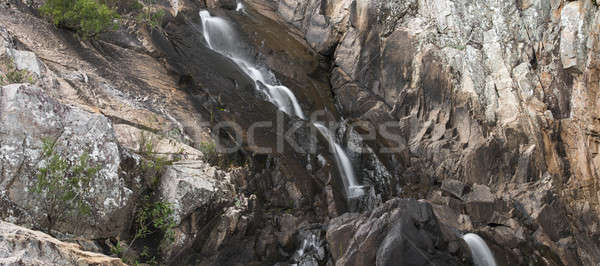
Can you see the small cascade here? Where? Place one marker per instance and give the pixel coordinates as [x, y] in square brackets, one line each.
[353, 190]
[221, 37]
[239, 6]
[481, 253]
[311, 248]
[307, 244]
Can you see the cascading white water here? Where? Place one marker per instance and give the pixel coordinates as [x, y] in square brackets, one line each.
[310, 242]
[221, 37]
[481, 253]
[311, 249]
[353, 190]
[239, 6]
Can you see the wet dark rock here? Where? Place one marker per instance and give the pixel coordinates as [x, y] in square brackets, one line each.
[310, 247]
[402, 231]
[493, 107]
[227, 4]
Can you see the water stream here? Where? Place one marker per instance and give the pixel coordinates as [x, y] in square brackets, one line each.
[239, 6]
[222, 38]
[353, 190]
[481, 253]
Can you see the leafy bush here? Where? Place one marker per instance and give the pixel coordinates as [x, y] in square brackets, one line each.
[123, 6]
[136, 6]
[222, 160]
[13, 75]
[63, 184]
[153, 165]
[16, 76]
[209, 150]
[87, 17]
[152, 219]
[153, 19]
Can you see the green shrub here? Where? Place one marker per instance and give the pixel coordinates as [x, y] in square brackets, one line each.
[87, 17]
[153, 165]
[152, 219]
[212, 156]
[16, 76]
[117, 249]
[153, 215]
[123, 6]
[153, 19]
[62, 185]
[136, 6]
[12, 74]
[209, 150]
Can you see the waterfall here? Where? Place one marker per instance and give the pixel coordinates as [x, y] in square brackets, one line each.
[352, 189]
[239, 6]
[482, 255]
[220, 37]
[311, 249]
[311, 242]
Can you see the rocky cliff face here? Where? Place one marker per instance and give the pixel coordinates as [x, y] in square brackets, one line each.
[490, 108]
[490, 92]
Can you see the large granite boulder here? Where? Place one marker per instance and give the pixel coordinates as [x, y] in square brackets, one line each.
[197, 193]
[28, 118]
[21, 246]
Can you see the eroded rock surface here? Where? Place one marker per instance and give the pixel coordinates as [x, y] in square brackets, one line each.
[28, 117]
[492, 104]
[399, 232]
[491, 93]
[196, 192]
[21, 246]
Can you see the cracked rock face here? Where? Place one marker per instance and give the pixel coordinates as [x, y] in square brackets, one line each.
[498, 93]
[399, 232]
[494, 105]
[27, 117]
[196, 191]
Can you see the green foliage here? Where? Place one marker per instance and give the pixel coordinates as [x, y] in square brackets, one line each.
[147, 256]
[13, 75]
[117, 249]
[16, 76]
[152, 219]
[153, 19]
[123, 6]
[213, 157]
[208, 149]
[154, 165]
[87, 17]
[63, 184]
[237, 202]
[137, 6]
